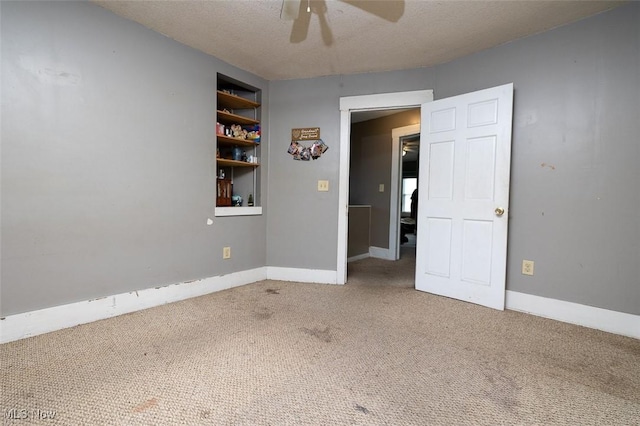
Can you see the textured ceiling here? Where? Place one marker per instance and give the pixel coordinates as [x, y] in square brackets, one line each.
[348, 36]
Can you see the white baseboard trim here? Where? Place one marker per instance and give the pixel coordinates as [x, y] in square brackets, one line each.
[28, 324]
[358, 257]
[575, 313]
[381, 253]
[319, 276]
[20, 326]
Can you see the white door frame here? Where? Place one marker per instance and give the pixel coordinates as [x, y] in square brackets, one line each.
[395, 206]
[349, 104]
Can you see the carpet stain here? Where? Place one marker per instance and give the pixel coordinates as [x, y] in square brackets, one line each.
[262, 313]
[595, 374]
[272, 291]
[145, 405]
[324, 335]
[504, 390]
[361, 408]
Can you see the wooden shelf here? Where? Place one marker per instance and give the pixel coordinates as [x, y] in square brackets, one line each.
[239, 107]
[227, 140]
[226, 117]
[235, 102]
[233, 163]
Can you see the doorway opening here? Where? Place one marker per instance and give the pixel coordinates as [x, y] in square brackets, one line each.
[349, 105]
[409, 195]
[381, 142]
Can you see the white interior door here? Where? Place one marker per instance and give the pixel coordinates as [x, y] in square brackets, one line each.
[463, 196]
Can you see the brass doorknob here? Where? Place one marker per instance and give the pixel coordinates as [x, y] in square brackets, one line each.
[499, 211]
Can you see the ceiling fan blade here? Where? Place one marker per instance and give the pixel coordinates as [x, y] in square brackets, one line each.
[300, 27]
[327, 35]
[391, 10]
[290, 9]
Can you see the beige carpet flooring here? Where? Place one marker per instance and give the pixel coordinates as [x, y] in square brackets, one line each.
[373, 352]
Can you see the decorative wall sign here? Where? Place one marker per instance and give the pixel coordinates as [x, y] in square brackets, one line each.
[303, 152]
[305, 134]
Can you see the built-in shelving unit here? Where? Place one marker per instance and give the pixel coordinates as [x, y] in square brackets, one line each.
[238, 139]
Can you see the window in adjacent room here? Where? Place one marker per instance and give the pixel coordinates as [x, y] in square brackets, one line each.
[408, 186]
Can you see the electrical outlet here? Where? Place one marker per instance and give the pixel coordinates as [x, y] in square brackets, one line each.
[323, 185]
[527, 267]
[226, 252]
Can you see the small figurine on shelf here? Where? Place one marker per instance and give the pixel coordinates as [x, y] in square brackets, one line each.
[253, 133]
[221, 175]
[238, 132]
[250, 200]
[237, 153]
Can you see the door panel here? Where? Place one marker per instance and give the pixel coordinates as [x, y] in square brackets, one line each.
[483, 113]
[443, 120]
[439, 243]
[480, 170]
[461, 240]
[476, 251]
[442, 156]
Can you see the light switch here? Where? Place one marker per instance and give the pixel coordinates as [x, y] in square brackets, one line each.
[381, 187]
[323, 185]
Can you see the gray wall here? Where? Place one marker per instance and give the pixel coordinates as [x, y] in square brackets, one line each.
[370, 166]
[575, 192]
[302, 223]
[359, 231]
[108, 159]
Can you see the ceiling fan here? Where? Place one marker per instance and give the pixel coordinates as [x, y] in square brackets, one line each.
[300, 11]
[411, 146]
